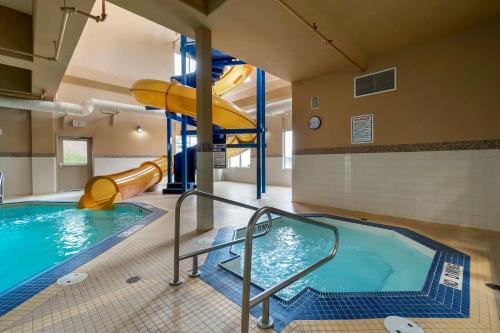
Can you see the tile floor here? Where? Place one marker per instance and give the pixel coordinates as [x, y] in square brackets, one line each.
[106, 303]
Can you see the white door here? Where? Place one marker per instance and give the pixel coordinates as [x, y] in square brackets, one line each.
[74, 158]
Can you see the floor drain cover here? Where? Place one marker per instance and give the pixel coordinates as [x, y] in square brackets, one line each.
[396, 324]
[204, 241]
[133, 279]
[493, 286]
[72, 278]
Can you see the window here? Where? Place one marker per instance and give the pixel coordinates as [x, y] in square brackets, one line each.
[75, 152]
[287, 149]
[240, 161]
[191, 141]
[190, 65]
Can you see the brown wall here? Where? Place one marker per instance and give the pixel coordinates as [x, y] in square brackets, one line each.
[118, 138]
[16, 31]
[447, 90]
[15, 124]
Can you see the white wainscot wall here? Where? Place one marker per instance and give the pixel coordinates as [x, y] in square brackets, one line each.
[452, 187]
[44, 174]
[17, 173]
[275, 175]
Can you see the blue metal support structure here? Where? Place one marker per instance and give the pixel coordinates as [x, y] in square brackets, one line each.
[219, 61]
[169, 147]
[261, 97]
[259, 136]
[184, 119]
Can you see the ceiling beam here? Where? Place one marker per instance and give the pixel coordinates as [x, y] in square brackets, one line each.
[15, 62]
[47, 15]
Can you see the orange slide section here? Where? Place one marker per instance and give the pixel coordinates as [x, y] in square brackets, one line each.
[102, 192]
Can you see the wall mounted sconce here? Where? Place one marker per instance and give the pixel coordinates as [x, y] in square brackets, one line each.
[139, 129]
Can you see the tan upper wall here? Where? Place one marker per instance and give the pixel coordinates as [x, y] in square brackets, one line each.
[111, 139]
[447, 90]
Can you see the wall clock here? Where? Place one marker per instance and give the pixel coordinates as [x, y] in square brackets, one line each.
[314, 122]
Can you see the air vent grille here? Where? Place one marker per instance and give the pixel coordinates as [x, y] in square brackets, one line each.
[375, 83]
[315, 103]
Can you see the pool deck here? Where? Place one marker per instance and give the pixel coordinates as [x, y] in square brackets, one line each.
[106, 303]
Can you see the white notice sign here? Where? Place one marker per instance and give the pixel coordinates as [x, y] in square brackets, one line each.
[220, 158]
[362, 129]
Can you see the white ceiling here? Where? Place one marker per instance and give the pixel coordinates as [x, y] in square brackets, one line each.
[24, 6]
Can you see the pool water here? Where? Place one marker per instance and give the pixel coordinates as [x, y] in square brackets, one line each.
[369, 259]
[35, 237]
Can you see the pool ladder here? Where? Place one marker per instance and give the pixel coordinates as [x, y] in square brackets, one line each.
[265, 320]
[1, 186]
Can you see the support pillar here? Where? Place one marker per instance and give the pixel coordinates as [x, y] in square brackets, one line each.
[204, 153]
[184, 119]
[169, 148]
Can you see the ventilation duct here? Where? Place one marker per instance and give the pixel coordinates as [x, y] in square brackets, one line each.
[85, 109]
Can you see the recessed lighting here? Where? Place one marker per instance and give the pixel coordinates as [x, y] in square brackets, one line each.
[139, 129]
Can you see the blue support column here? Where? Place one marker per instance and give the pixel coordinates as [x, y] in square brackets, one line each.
[262, 93]
[184, 119]
[259, 136]
[169, 148]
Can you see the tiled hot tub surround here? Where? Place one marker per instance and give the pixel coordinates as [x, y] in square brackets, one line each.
[433, 301]
[16, 295]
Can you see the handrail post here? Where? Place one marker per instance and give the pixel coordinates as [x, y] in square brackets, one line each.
[177, 235]
[194, 272]
[265, 321]
[247, 271]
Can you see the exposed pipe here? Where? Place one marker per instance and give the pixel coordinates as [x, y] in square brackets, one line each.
[62, 29]
[314, 28]
[66, 12]
[21, 94]
[85, 109]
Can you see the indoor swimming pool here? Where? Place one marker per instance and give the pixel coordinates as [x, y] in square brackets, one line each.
[41, 241]
[369, 259]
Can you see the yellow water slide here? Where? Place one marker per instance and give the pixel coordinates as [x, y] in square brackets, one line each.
[102, 192]
[177, 98]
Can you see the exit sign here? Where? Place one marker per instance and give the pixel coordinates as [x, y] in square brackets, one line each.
[78, 123]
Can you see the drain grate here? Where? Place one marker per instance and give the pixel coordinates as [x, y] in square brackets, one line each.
[493, 286]
[72, 278]
[395, 324]
[133, 279]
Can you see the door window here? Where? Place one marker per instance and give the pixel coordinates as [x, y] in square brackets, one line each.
[75, 152]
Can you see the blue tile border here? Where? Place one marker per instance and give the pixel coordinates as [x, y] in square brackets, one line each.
[18, 294]
[433, 301]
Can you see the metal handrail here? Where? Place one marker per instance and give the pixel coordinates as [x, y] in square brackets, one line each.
[265, 321]
[177, 257]
[1, 187]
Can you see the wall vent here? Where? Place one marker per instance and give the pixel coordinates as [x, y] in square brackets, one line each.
[375, 83]
[315, 103]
